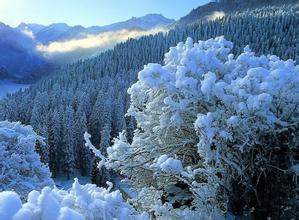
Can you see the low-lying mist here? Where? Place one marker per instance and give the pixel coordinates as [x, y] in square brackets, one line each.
[62, 52]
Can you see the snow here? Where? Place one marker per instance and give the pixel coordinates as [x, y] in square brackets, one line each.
[23, 214]
[171, 165]
[94, 149]
[62, 182]
[67, 213]
[168, 164]
[124, 187]
[21, 169]
[232, 120]
[207, 83]
[10, 203]
[78, 203]
[206, 104]
[10, 87]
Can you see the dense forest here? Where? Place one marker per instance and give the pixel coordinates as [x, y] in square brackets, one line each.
[199, 122]
[91, 94]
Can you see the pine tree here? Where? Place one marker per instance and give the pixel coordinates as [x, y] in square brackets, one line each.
[83, 154]
[100, 176]
[68, 157]
[40, 108]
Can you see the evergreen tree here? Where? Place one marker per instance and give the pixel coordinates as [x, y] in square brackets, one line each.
[68, 151]
[82, 153]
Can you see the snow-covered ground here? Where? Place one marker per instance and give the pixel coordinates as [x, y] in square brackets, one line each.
[78, 203]
[10, 87]
[62, 182]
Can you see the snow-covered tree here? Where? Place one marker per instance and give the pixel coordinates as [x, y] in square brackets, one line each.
[82, 153]
[68, 157]
[131, 125]
[55, 142]
[100, 175]
[39, 109]
[215, 133]
[21, 169]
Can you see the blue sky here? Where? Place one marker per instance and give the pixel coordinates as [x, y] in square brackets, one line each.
[89, 12]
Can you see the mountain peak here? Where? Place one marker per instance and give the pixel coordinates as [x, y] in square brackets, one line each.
[59, 25]
[2, 25]
[31, 27]
[147, 21]
[156, 16]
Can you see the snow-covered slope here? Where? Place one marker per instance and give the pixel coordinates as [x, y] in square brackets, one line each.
[218, 8]
[34, 28]
[51, 33]
[146, 22]
[74, 32]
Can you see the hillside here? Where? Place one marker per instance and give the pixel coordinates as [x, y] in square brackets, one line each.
[219, 8]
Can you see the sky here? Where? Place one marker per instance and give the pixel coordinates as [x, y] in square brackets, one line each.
[89, 12]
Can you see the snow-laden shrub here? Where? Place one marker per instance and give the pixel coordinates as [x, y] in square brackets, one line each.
[86, 202]
[20, 166]
[211, 128]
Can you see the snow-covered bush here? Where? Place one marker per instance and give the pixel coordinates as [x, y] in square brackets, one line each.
[78, 203]
[20, 166]
[211, 128]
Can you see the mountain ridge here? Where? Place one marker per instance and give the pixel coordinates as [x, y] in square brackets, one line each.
[20, 43]
[63, 31]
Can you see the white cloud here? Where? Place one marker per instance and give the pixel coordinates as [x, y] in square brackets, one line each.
[68, 51]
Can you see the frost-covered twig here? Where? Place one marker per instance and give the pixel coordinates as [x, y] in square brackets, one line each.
[96, 152]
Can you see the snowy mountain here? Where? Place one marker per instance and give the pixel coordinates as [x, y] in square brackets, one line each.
[62, 32]
[51, 33]
[20, 44]
[17, 52]
[34, 28]
[146, 22]
[74, 32]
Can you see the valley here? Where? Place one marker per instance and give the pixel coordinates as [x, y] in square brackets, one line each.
[8, 87]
